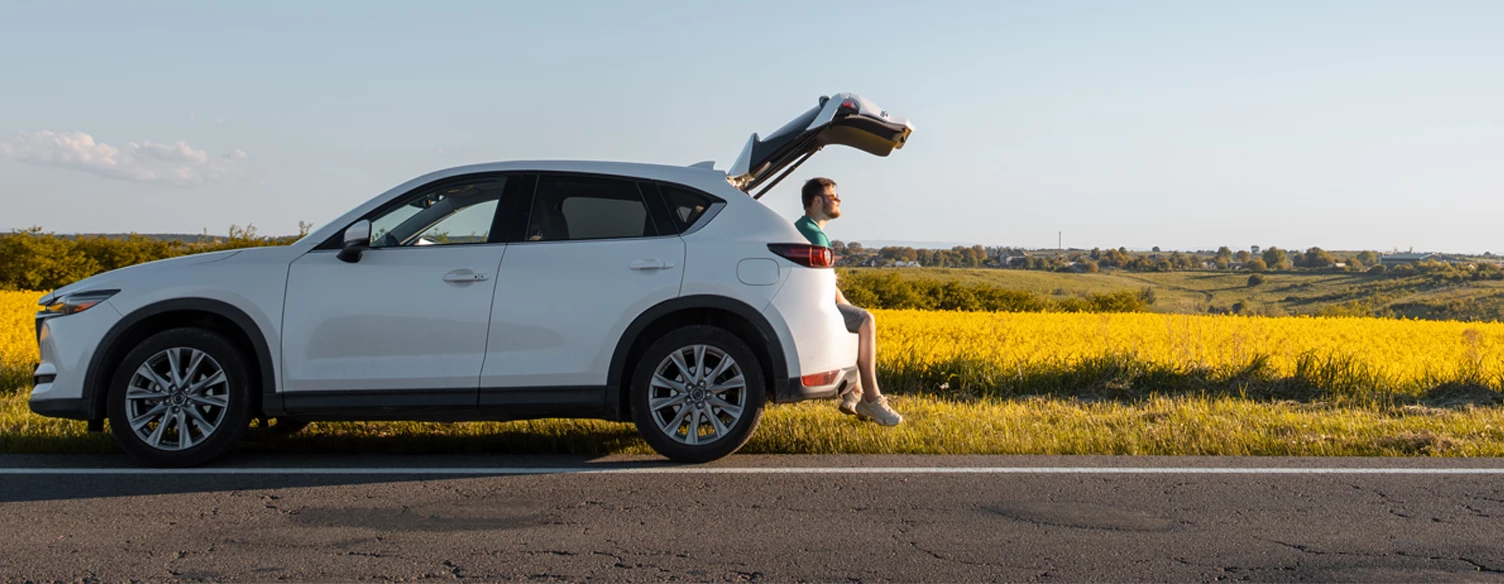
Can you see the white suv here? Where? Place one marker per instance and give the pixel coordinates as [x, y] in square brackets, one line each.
[658, 294]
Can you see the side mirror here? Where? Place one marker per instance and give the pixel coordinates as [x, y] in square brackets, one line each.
[357, 241]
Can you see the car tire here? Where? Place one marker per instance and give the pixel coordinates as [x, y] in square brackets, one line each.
[697, 394]
[180, 398]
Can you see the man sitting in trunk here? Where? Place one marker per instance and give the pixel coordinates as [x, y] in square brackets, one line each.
[822, 204]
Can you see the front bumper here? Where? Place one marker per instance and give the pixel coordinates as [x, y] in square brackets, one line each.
[70, 408]
[66, 345]
[793, 390]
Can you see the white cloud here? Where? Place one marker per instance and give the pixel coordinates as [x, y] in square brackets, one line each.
[175, 164]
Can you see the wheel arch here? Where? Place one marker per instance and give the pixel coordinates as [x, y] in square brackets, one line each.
[215, 315]
[729, 314]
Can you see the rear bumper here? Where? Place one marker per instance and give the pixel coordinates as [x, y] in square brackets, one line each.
[793, 390]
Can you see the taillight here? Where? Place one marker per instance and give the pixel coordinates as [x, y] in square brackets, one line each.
[804, 254]
[851, 105]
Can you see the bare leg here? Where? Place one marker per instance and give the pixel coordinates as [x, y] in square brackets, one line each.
[866, 358]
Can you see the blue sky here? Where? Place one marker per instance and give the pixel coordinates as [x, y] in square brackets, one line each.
[1185, 125]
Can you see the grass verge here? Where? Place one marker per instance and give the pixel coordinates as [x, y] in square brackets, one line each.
[1168, 425]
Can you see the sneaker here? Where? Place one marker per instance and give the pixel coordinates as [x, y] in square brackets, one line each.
[878, 411]
[849, 400]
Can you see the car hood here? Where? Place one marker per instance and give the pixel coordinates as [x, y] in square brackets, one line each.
[107, 279]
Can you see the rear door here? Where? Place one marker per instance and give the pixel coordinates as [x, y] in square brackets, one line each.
[844, 119]
[588, 257]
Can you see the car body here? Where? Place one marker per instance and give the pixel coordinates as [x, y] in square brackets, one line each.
[540, 296]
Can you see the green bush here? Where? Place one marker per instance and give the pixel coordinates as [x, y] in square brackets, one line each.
[31, 259]
[888, 289]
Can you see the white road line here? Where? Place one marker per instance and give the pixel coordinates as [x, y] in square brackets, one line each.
[711, 470]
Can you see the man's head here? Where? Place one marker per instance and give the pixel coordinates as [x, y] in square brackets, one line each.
[820, 199]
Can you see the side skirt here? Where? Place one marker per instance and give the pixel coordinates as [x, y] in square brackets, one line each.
[446, 405]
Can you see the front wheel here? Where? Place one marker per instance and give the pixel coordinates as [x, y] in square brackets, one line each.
[180, 398]
[697, 394]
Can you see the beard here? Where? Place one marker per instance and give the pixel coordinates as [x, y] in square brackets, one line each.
[832, 211]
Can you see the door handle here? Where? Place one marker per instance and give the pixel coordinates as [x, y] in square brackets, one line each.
[464, 276]
[650, 264]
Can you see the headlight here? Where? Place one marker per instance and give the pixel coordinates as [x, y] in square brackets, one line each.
[77, 302]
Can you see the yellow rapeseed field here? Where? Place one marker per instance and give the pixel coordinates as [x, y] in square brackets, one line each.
[18, 341]
[922, 347]
[1399, 354]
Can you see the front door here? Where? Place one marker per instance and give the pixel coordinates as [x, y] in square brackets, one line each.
[591, 259]
[407, 322]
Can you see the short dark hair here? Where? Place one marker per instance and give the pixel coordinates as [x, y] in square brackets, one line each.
[813, 188]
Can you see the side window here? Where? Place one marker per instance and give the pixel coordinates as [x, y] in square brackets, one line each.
[452, 214]
[575, 208]
[685, 206]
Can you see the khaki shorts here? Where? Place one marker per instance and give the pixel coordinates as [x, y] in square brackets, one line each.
[854, 317]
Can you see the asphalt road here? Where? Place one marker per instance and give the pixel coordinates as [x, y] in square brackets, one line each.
[828, 518]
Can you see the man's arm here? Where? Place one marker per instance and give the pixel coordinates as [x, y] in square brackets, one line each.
[841, 298]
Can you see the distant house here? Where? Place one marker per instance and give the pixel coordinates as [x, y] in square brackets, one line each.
[1395, 259]
[906, 264]
[1012, 259]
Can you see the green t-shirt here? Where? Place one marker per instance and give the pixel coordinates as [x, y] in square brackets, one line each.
[812, 231]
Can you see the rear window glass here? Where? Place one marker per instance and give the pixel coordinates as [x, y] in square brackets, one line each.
[574, 208]
[685, 206]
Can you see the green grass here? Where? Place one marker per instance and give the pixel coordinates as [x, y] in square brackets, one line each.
[1282, 293]
[1171, 425]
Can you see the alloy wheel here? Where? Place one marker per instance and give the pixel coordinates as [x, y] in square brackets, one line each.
[177, 398]
[697, 394]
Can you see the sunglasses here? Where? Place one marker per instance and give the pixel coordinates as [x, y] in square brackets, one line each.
[836, 198]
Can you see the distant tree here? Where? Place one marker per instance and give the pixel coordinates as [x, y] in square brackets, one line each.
[1088, 266]
[1242, 255]
[1221, 262]
[838, 245]
[1254, 250]
[854, 248]
[1156, 249]
[1096, 253]
[1379, 269]
[1318, 258]
[1368, 258]
[1181, 261]
[1276, 259]
[1224, 253]
[1256, 265]
[1255, 279]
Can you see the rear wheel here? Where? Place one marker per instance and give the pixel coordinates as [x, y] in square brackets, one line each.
[697, 394]
[180, 398]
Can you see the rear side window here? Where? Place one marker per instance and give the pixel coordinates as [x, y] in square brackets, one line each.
[685, 206]
[567, 208]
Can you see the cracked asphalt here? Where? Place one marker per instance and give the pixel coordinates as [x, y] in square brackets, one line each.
[754, 527]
